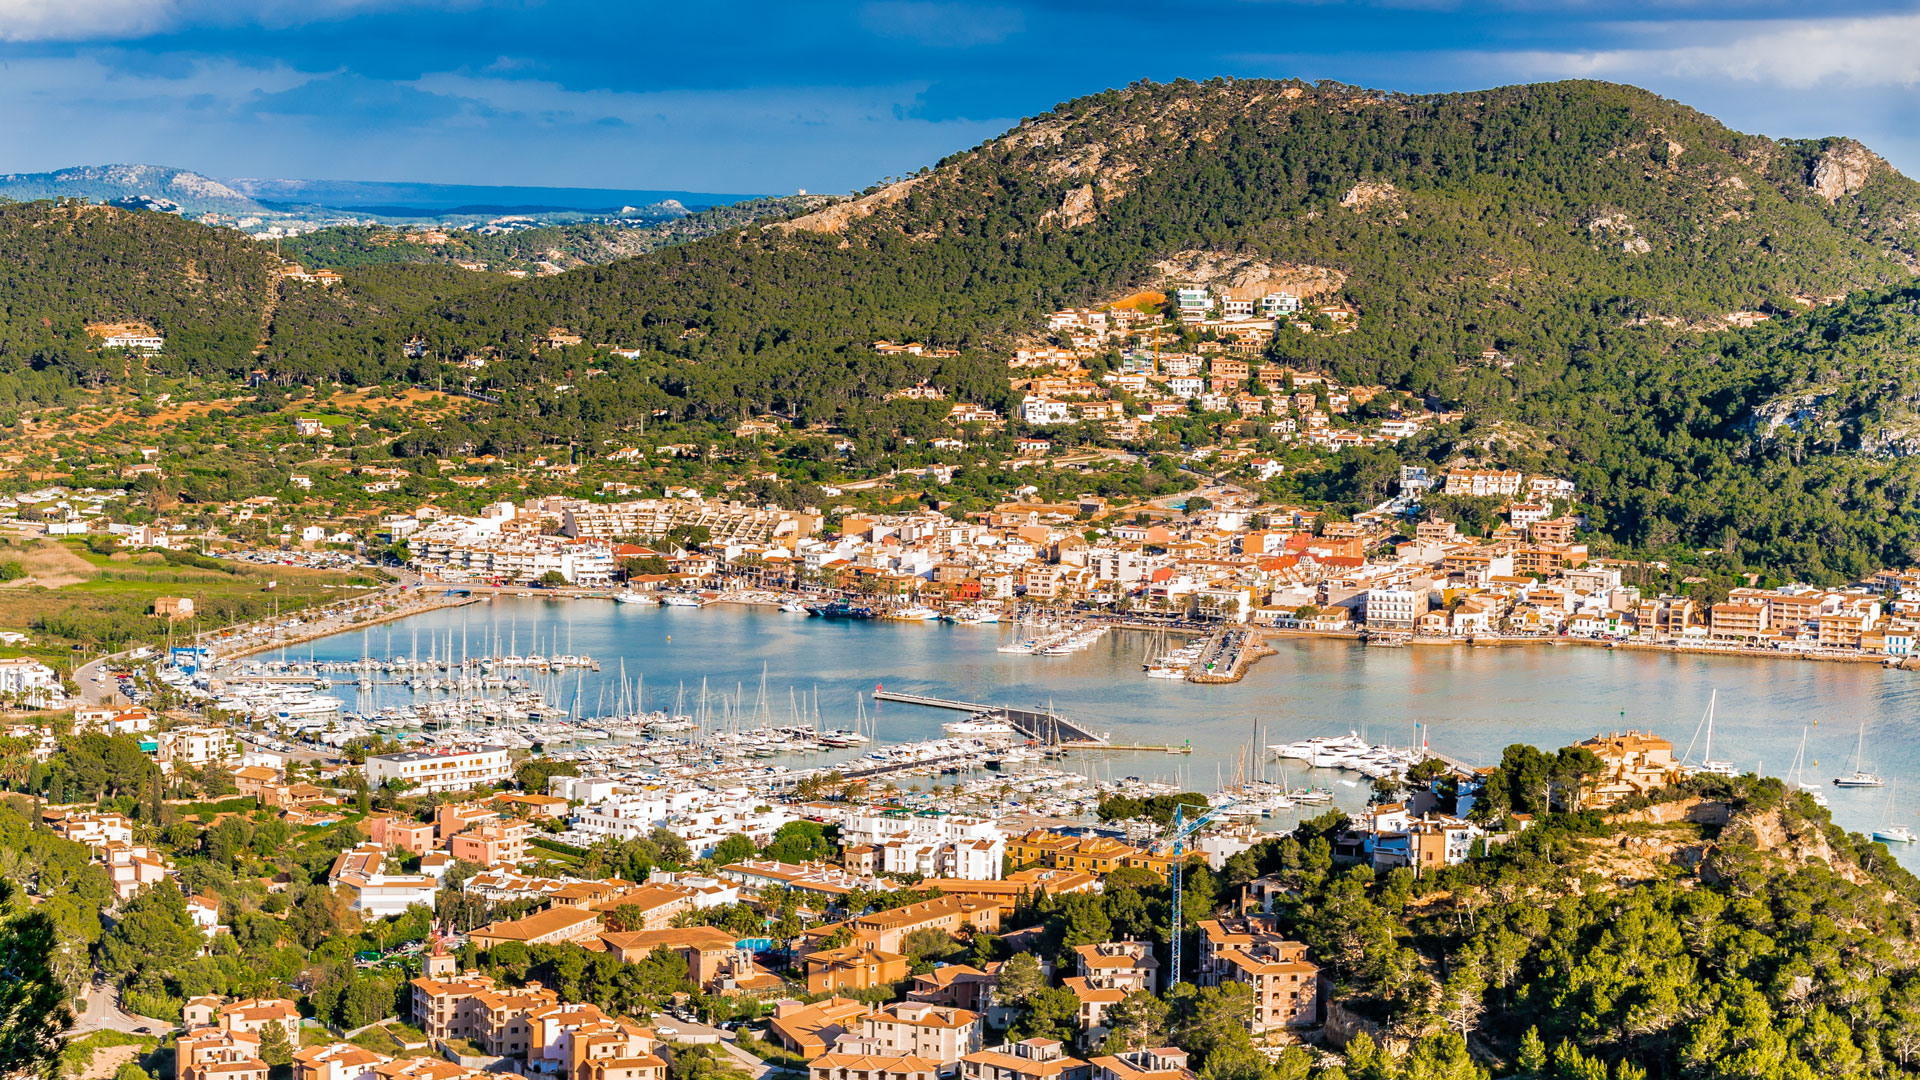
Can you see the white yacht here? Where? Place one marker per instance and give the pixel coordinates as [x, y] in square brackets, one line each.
[628, 596]
[1859, 777]
[682, 600]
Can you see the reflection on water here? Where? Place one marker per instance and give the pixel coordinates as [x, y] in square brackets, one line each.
[1473, 701]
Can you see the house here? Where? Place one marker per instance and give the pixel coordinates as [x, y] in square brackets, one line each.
[309, 427]
[837, 1066]
[251, 1016]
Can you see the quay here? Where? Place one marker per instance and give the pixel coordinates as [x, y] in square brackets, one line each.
[1041, 726]
[1227, 655]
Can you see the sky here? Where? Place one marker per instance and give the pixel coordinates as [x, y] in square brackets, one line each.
[756, 97]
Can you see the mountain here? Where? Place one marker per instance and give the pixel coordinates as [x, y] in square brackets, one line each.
[535, 250]
[157, 187]
[1577, 267]
[400, 199]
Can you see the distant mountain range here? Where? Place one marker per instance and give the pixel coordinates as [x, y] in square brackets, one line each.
[294, 205]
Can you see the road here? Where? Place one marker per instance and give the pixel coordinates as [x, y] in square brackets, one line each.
[691, 1031]
[103, 1013]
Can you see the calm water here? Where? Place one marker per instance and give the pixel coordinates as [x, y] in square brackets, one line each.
[1473, 701]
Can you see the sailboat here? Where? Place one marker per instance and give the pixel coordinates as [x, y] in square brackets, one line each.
[1794, 775]
[1860, 777]
[1707, 764]
[1893, 832]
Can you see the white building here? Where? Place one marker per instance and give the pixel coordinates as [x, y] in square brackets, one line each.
[194, 746]
[1044, 412]
[1193, 298]
[29, 680]
[1395, 608]
[442, 769]
[931, 844]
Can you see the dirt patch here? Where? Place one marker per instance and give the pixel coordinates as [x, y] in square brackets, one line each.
[1696, 811]
[107, 1061]
[835, 218]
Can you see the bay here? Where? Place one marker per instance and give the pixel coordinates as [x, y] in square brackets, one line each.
[1473, 702]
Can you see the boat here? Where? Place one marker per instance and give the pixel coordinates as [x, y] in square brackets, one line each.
[1708, 766]
[1859, 777]
[977, 726]
[1166, 671]
[628, 596]
[913, 613]
[682, 600]
[841, 609]
[793, 606]
[1794, 775]
[1892, 832]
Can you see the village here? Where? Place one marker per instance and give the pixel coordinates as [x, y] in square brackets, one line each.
[901, 947]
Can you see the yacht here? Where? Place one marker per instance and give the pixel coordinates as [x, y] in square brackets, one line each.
[1166, 671]
[1859, 777]
[794, 606]
[915, 613]
[1892, 832]
[681, 600]
[974, 727]
[628, 596]
[1708, 765]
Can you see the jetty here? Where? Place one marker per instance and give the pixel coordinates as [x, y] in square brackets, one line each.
[1226, 656]
[1037, 724]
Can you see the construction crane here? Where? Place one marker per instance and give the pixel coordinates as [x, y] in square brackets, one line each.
[1182, 830]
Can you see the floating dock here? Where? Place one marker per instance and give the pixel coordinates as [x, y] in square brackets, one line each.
[1036, 724]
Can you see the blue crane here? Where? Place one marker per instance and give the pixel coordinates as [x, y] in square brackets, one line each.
[1182, 830]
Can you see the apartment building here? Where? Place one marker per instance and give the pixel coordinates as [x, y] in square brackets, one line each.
[549, 927]
[494, 843]
[1030, 1059]
[889, 930]
[194, 746]
[442, 769]
[1092, 854]
[936, 1033]
[1483, 483]
[1636, 762]
[725, 522]
[337, 1061]
[1250, 949]
[580, 1042]
[853, 967]
[501, 1018]
[1161, 1063]
[855, 1066]
[218, 1054]
[445, 1007]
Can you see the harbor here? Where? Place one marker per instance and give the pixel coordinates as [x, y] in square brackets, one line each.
[1471, 702]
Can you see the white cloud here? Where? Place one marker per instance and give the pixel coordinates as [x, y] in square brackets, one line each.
[940, 24]
[1792, 53]
[121, 20]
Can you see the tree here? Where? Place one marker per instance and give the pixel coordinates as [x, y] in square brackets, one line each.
[1020, 978]
[553, 579]
[733, 849]
[274, 1049]
[1050, 1013]
[34, 1014]
[1136, 1021]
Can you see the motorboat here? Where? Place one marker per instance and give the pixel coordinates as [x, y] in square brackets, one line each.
[682, 600]
[628, 596]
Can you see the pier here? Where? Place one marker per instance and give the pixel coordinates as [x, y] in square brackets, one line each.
[1039, 725]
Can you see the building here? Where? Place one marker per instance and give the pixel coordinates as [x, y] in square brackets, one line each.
[218, 1054]
[548, 927]
[1249, 949]
[888, 930]
[1395, 608]
[937, 1033]
[494, 843]
[1031, 1059]
[1634, 763]
[337, 1061]
[29, 681]
[194, 746]
[1483, 483]
[1091, 854]
[450, 768]
[838, 1066]
[811, 1030]
[251, 1016]
[443, 1007]
[853, 967]
[1162, 1063]
[361, 872]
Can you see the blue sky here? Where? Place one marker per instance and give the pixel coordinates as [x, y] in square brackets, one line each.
[738, 96]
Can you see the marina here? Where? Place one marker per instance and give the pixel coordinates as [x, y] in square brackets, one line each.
[1471, 702]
